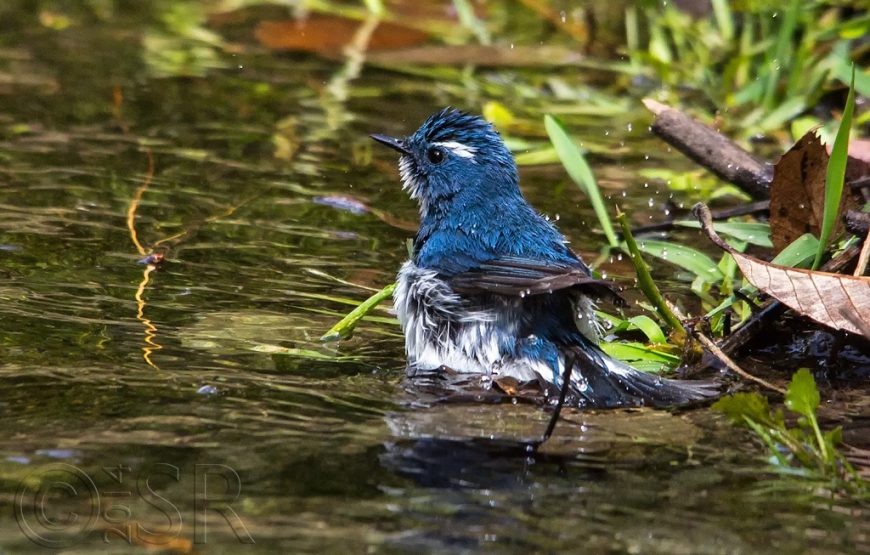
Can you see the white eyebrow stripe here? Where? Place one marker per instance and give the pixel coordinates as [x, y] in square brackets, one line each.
[459, 149]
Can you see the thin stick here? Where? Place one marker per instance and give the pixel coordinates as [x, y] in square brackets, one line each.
[566, 384]
[718, 353]
[863, 258]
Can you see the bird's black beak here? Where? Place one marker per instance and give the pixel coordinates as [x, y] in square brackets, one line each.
[395, 144]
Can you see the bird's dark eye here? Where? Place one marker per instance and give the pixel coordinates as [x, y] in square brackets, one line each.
[435, 155]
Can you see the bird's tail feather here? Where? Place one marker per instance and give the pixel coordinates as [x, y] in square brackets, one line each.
[604, 382]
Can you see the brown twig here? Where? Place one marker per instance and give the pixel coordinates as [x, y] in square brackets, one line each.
[863, 258]
[718, 353]
[712, 150]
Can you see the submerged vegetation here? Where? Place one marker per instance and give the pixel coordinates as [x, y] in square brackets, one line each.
[802, 449]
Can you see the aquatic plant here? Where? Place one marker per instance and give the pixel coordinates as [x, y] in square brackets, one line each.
[798, 449]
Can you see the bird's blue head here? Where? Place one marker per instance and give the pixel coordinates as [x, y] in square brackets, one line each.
[455, 161]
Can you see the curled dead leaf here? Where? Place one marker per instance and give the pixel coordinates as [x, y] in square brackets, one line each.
[797, 194]
[835, 300]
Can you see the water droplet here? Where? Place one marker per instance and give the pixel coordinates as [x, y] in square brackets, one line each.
[628, 127]
[563, 16]
[650, 202]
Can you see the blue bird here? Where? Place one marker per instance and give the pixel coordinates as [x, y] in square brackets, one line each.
[492, 287]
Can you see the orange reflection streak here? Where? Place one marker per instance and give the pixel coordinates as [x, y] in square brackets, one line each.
[150, 329]
[134, 203]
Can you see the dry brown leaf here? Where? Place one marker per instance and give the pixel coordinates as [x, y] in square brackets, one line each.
[797, 194]
[835, 300]
[327, 34]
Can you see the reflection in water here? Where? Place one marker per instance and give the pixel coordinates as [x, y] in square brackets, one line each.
[150, 329]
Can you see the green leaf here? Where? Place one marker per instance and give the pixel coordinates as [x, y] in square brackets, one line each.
[836, 175]
[685, 257]
[633, 351]
[649, 328]
[802, 396]
[756, 233]
[580, 172]
[742, 406]
[613, 323]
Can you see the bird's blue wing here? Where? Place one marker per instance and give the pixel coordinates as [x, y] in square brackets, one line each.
[521, 276]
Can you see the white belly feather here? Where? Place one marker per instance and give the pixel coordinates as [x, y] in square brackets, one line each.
[440, 331]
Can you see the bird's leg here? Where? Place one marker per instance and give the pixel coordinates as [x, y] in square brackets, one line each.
[566, 384]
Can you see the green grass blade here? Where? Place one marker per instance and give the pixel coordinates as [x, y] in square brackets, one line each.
[632, 37]
[724, 19]
[644, 279]
[799, 253]
[345, 327]
[580, 172]
[781, 55]
[836, 175]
